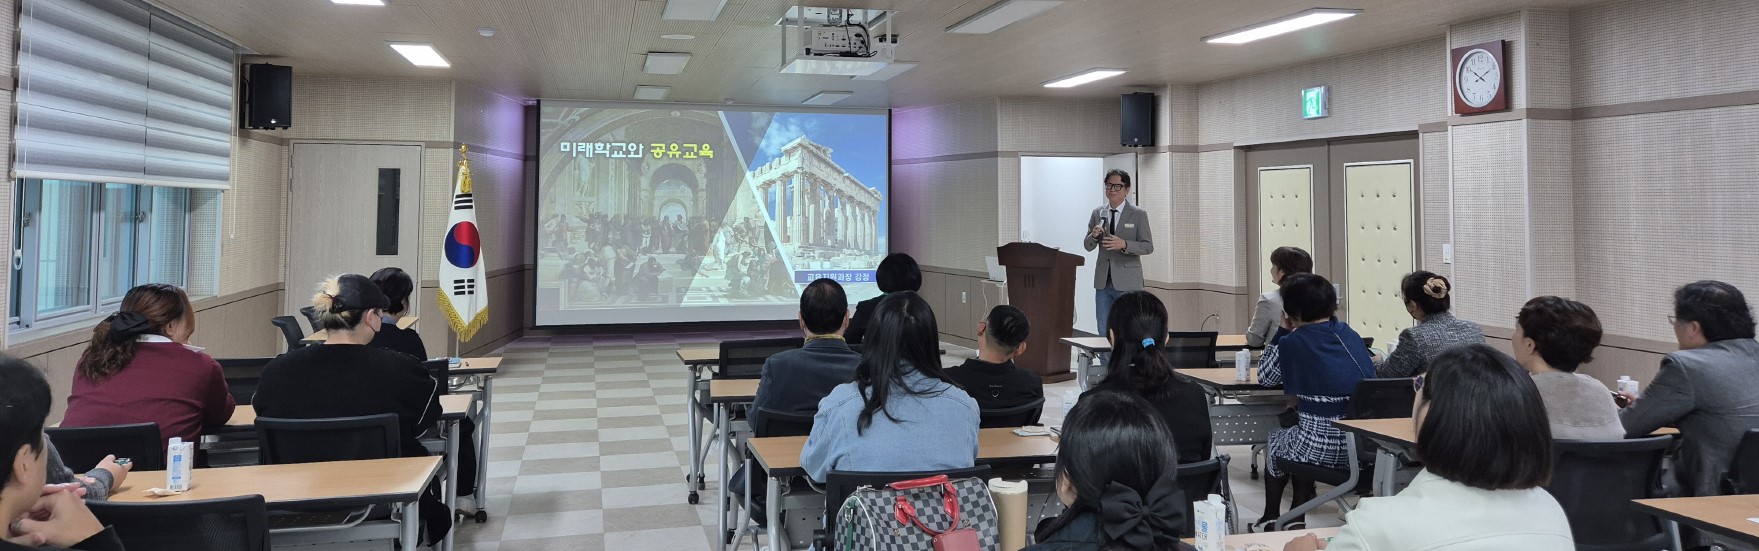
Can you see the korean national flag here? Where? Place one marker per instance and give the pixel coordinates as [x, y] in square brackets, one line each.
[463, 295]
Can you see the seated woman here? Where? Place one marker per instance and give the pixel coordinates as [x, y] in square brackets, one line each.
[346, 377]
[397, 285]
[1553, 336]
[1117, 478]
[1428, 297]
[140, 369]
[1318, 362]
[1139, 366]
[901, 414]
[1267, 317]
[897, 272]
[1486, 451]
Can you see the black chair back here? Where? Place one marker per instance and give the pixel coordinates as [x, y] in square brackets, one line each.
[1017, 416]
[83, 447]
[242, 376]
[311, 316]
[287, 441]
[1198, 480]
[839, 484]
[1382, 399]
[1595, 481]
[1743, 472]
[441, 370]
[769, 422]
[1191, 349]
[289, 330]
[226, 524]
[744, 359]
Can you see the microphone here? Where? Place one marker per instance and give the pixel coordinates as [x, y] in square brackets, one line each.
[1216, 317]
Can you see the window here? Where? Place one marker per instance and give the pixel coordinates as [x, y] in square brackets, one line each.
[80, 246]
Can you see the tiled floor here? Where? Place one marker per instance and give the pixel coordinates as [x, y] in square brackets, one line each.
[589, 448]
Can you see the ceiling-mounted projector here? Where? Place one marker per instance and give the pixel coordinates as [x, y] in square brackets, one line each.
[836, 41]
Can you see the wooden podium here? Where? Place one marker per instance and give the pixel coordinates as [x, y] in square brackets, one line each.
[1041, 283]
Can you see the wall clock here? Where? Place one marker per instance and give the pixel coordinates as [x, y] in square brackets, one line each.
[1480, 78]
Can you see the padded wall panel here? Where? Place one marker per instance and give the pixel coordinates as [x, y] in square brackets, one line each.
[1186, 217]
[1285, 213]
[1384, 90]
[1490, 221]
[1437, 212]
[1154, 194]
[1551, 197]
[1548, 59]
[1379, 247]
[1218, 259]
[1658, 49]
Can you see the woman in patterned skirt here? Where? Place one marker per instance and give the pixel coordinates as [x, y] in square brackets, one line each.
[1318, 363]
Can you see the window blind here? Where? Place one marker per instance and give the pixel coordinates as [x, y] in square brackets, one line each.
[110, 91]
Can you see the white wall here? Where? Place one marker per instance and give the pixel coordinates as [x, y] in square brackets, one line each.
[1057, 194]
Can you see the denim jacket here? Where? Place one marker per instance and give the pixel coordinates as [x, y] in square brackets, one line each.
[935, 430]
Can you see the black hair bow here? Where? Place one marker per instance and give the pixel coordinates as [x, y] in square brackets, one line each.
[125, 326]
[1143, 522]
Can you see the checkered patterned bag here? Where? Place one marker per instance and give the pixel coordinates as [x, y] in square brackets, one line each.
[927, 514]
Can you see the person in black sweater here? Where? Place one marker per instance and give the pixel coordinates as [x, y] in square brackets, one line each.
[898, 272]
[347, 377]
[1136, 327]
[38, 516]
[992, 378]
[397, 286]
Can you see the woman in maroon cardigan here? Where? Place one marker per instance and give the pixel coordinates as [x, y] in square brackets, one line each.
[139, 368]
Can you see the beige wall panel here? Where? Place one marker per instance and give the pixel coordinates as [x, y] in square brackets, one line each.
[1551, 190]
[964, 127]
[1218, 259]
[1154, 194]
[1058, 125]
[253, 243]
[1187, 223]
[1646, 50]
[944, 213]
[1379, 91]
[483, 118]
[368, 108]
[1008, 204]
[1285, 212]
[1379, 248]
[1187, 309]
[1490, 221]
[1548, 58]
[1437, 209]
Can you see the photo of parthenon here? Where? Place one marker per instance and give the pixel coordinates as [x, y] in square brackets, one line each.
[824, 218]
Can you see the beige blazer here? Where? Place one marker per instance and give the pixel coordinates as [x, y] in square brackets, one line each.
[1124, 267]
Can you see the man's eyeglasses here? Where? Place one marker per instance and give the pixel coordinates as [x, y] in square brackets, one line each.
[1115, 187]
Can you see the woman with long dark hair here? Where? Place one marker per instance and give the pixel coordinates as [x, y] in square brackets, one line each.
[1117, 476]
[140, 368]
[902, 413]
[1137, 327]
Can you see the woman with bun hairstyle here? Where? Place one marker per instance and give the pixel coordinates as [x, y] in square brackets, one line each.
[139, 368]
[1428, 298]
[1117, 475]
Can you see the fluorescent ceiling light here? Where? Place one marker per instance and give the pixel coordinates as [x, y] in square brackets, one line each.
[665, 63]
[1084, 77]
[827, 97]
[693, 10]
[1284, 25]
[678, 36]
[652, 93]
[422, 55]
[360, 2]
[889, 71]
[1002, 14]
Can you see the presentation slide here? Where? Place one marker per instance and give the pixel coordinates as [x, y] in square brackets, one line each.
[653, 213]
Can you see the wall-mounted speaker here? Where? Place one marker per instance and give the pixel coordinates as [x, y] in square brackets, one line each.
[1136, 127]
[268, 96]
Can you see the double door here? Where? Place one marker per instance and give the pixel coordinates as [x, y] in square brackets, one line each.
[1353, 205]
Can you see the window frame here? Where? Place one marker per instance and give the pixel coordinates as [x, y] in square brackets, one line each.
[27, 246]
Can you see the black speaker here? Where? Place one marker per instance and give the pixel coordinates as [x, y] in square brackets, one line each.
[1136, 128]
[268, 96]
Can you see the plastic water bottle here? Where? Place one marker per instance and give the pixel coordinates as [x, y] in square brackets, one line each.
[1628, 385]
[1242, 365]
[1069, 399]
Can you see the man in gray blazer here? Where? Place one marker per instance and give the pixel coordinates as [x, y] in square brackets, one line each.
[1707, 389]
[1120, 231]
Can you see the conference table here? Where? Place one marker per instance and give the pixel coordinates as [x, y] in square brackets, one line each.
[1397, 436]
[1270, 541]
[1088, 349]
[781, 457]
[724, 394]
[334, 484]
[1725, 516]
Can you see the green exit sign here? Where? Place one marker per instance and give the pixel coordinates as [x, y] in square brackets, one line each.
[1316, 102]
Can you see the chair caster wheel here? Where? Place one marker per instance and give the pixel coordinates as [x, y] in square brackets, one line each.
[731, 535]
[482, 517]
[694, 499]
[700, 484]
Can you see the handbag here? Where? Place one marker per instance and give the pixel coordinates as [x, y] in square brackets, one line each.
[925, 514]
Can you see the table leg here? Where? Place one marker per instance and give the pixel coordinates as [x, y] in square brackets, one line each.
[1086, 360]
[1385, 472]
[695, 433]
[721, 490]
[451, 479]
[772, 512]
[485, 415]
[411, 519]
[1673, 531]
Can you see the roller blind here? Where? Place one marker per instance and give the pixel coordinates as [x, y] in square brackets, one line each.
[110, 91]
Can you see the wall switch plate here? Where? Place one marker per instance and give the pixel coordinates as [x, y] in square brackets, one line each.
[1447, 253]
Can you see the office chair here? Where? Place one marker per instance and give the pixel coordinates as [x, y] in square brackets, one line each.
[225, 524]
[1190, 349]
[289, 330]
[83, 447]
[1017, 416]
[1595, 481]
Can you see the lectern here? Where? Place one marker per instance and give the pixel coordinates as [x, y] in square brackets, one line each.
[1041, 283]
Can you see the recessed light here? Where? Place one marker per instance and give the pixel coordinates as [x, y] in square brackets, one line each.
[1002, 14]
[422, 55]
[486, 31]
[1282, 25]
[678, 36]
[827, 97]
[693, 10]
[889, 71]
[652, 93]
[359, 2]
[1083, 77]
[665, 63]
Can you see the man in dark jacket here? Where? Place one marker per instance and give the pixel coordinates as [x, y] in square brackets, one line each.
[992, 378]
[38, 516]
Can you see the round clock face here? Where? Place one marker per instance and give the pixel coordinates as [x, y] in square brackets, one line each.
[1478, 79]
